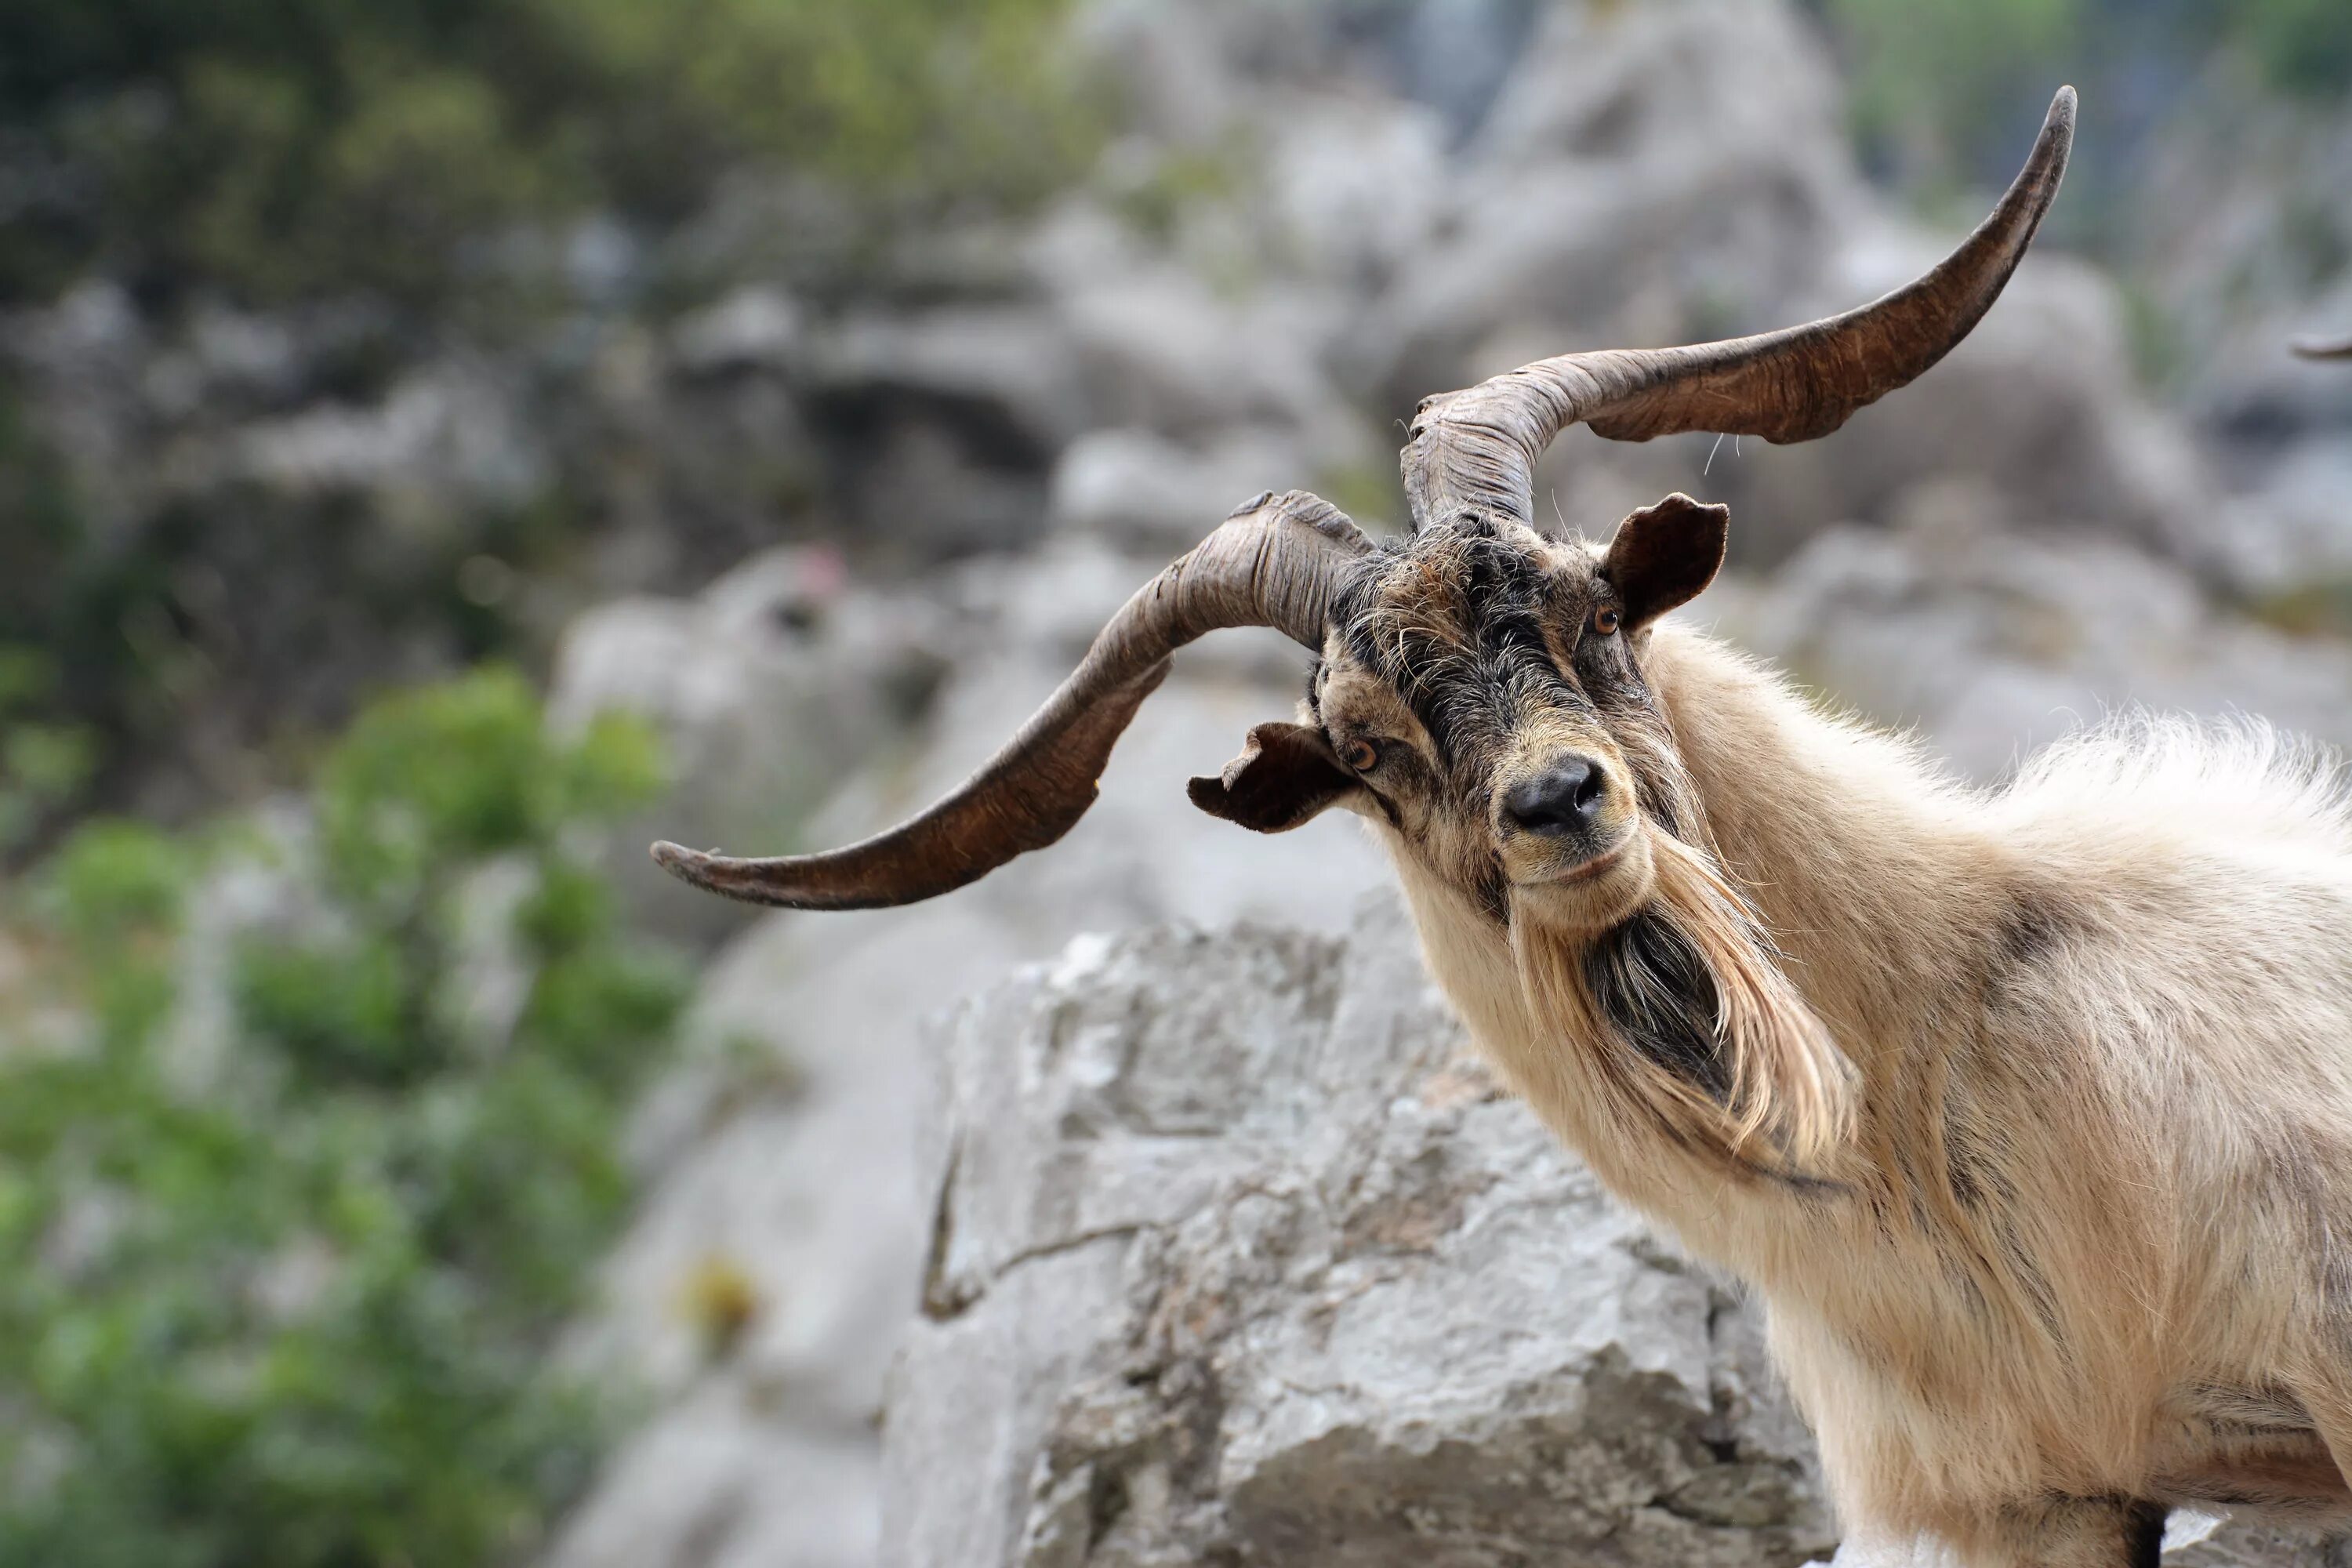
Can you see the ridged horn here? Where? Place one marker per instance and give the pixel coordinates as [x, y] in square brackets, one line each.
[1474, 451]
[1277, 563]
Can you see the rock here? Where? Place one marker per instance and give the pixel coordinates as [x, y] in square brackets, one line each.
[771, 688]
[1167, 62]
[2202, 1541]
[938, 426]
[1652, 174]
[1186, 75]
[1005, 374]
[1679, 172]
[722, 457]
[1236, 1256]
[1456, 55]
[1162, 348]
[2248, 251]
[731, 1489]
[448, 438]
[82, 361]
[1145, 492]
[2288, 528]
[754, 328]
[1993, 643]
[1355, 183]
[238, 354]
[2251, 256]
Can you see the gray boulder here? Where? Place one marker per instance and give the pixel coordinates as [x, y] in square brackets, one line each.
[1236, 1256]
[754, 327]
[1650, 173]
[938, 425]
[1140, 489]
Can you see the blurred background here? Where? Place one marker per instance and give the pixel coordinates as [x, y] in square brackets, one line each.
[445, 444]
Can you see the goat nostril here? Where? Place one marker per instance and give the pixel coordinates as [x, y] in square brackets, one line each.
[1563, 797]
[1586, 797]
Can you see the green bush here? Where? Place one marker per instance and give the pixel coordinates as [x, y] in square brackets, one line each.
[278, 147]
[285, 1298]
[122, 662]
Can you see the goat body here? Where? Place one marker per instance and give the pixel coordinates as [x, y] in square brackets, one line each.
[2081, 1243]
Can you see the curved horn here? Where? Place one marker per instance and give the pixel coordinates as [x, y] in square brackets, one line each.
[1274, 562]
[1475, 449]
[2324, 348]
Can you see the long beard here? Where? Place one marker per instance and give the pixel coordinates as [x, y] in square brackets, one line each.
[1694, 1027]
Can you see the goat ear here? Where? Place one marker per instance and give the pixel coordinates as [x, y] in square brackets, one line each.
[1664, 554]
[1284, 777]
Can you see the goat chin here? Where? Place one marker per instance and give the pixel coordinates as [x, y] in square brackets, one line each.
[1582, 905]
[1689, 1023]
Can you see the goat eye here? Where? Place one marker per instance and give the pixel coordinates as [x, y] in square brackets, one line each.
[1360, 755]
[1604, 620]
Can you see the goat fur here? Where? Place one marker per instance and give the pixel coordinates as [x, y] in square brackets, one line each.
[2072, 1234]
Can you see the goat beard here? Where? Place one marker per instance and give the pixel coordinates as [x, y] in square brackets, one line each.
[1692, 1023]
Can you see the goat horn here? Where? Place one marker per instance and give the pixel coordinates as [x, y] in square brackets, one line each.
[1476, 450]
[1276, 563]
[2324, 348]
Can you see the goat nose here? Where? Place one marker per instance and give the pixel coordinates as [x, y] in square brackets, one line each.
[1561, 799]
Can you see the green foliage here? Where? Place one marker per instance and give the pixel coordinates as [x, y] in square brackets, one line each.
[42, 763]
[284, 1298]
[112, 635]
[277, 147]
[2303, 45]
[47, 752]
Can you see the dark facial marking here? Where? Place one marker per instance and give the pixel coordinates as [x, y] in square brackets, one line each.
[1464, 624]
[1605, 670]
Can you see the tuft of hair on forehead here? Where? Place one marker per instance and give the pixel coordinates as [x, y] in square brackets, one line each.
[1449, 596]
[1485, 562]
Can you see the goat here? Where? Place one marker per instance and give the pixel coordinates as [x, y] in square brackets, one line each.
[2027, 1114]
